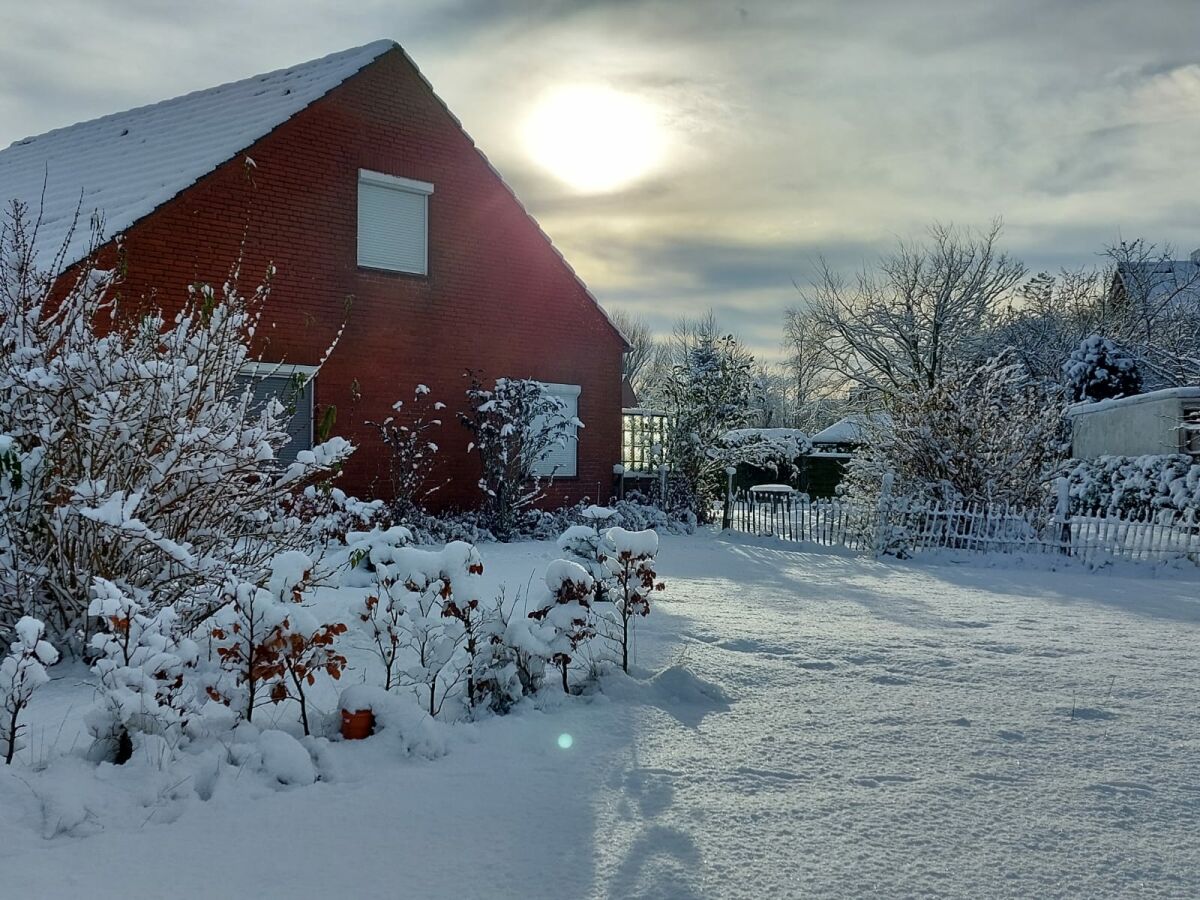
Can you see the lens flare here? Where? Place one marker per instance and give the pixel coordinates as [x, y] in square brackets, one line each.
[565, 741]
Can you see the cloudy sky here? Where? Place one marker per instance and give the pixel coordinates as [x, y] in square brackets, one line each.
[755, 135]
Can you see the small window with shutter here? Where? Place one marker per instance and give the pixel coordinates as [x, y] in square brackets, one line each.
[1190, 428]
[563, 462]
[393, 223]
[293, 387]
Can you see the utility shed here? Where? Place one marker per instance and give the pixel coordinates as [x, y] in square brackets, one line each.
[1156, 423]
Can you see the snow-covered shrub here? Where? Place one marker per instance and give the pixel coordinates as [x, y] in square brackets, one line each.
[589, 546]
[513, 426]
[328, 514]
[145, 673]
[513, 661]
[22, 672]
[1098, 369]
[270, 648]
[132, 448]
[412, 452]
[1136, 484]
[632, 566]
[990, 435]
[382, 608]
[438, 586]
[567, 619]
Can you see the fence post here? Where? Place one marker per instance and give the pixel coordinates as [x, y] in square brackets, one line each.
[727, 516]
[883, 514]
[1062, 515]
[662, 484]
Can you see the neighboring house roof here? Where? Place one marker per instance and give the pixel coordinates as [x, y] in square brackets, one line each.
[1162, 281]
[129, 163]
[1174, 393]
[850, 430]
[629, 398]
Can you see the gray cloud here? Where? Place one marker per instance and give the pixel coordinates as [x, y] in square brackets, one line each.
[796, 128]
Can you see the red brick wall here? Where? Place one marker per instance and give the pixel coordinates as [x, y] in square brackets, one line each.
[497, 297]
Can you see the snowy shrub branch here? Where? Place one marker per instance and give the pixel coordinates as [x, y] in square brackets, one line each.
[131, 450]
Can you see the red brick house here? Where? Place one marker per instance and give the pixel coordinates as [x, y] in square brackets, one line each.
[360, 186]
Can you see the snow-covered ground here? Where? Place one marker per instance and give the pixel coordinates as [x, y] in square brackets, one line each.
[820, 725]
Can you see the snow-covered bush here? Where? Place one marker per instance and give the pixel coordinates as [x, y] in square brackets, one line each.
[567, 618]
[133, 449]
[775, 450]
[145, 673]
[412, 451]
[1136, 484]
[22, 672]
[382, 608]
[1098, 369]
[513, 662]
[632, 566]
[438, 586]
[327, 514]
[589, 546]
[270, 648]
[990, 435]
[513, 426]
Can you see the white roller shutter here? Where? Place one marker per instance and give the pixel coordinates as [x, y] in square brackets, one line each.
[393, 223]
[287, 385]
[563, 462]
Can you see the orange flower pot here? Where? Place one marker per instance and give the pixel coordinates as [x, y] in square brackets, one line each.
[358, 724]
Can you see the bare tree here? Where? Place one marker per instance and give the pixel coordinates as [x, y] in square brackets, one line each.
[807, 367]
[642, 346]
[925, 308]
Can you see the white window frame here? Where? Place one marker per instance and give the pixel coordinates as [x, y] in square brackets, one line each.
[563, 390]
[395, 183]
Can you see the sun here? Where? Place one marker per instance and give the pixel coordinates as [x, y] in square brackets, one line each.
[594, 138]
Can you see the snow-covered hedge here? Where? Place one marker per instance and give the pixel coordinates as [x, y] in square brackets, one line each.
[1136, 483]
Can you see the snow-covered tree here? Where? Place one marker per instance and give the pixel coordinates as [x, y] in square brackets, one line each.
[408, 435]
[708, 395]
[513, 426]
[22, 672]
[1098, 369]
[567, 618]
[133, 447]
[990, 434]
[632, 566]
[145, 673]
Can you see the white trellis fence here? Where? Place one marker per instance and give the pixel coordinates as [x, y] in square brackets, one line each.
[903, 526]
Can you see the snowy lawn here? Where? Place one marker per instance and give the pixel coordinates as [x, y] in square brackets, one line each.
[890, 729]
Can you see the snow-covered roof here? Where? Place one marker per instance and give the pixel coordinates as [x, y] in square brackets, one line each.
[1175, 393]
[850, 430]
[1163, 281]
[129, 163]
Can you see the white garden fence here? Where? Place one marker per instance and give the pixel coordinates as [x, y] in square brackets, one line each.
[902, 527]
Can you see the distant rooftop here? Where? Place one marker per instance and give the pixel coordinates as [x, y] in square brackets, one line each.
[850, 430]
[127, 164]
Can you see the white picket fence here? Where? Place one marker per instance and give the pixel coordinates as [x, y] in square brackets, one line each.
[902, 527]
